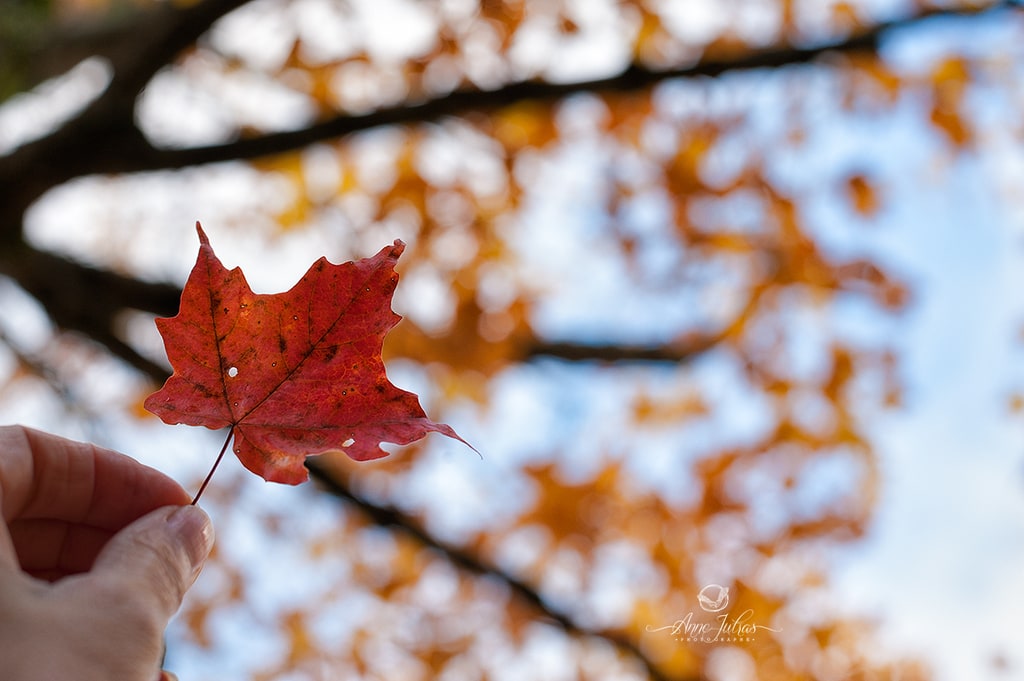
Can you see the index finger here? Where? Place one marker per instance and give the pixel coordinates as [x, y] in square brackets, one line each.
[46, 476]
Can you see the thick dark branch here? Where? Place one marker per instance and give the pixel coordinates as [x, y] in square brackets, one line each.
[673, 353]
[636, 77]
[136, 42]
[104, 139]
[387, 516]
[90, 301]
[78, 292]
[105, 131]
[157, 37]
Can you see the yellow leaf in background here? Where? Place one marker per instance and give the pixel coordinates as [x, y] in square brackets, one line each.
[650, 37]
[727, 46]
[577, 513]
[524, 124]
[300, 644]
[949, 81]
[289, 167]
[662, 411]
[845, 16]
[862, 195]
[951, 122]
[950, 77]
[567, 26]
[656, 633]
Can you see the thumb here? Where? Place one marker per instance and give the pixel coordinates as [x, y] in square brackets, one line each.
[158, 557]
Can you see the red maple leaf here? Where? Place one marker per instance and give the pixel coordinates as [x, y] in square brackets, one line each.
[294, 373]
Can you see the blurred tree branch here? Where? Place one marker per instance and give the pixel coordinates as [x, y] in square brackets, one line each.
[90, 301]
[635, 77]
[386, 515]
[389, 516]
[136, 48]
[104, 139]
[136, 42]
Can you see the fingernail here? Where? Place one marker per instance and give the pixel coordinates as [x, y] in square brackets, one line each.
[196, 531]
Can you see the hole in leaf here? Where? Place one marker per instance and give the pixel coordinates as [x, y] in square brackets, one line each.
[232, 372]
[348, 443]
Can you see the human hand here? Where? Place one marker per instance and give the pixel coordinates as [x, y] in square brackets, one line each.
[96, 553]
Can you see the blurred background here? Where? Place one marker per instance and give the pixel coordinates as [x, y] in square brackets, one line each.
[725, 293]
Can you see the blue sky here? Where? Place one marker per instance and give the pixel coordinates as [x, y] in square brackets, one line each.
[944, 557]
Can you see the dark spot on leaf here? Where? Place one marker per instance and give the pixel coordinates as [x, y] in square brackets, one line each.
[282, 343]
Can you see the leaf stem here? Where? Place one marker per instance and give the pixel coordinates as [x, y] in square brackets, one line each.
[216, 463]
